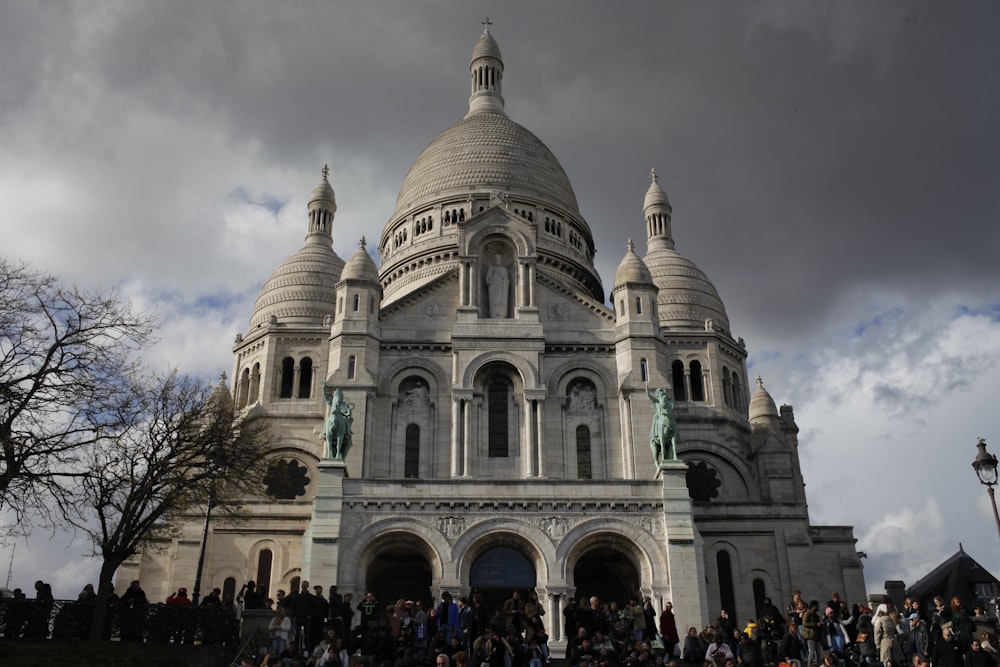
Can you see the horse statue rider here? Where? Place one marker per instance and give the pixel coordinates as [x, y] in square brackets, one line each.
[663, 432]
[337, 429]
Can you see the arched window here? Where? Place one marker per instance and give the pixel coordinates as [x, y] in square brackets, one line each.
[726, 593]
[411, 458]
[351, 363]
[638, 305]
[643, 370]
[305, 377]
[357, 302]
[498, 398]
[583, 466]
[287, 377]
[621, 307]
[229, 588]
[264, 560]
[677, 379]
[759, 593]
[697, 382]
[254, 384]
[738, 403]
[243, 388]
[727, 388]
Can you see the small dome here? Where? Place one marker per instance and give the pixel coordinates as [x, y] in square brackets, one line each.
[762, 407]
[655, 196]
[486, 47]
[303, 289]
[361, 266]
[324, 191]
[632, 269]
[687, 298]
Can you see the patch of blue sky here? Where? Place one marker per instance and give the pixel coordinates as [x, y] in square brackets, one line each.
[877, 321]
[217, 301]
[763, 357]
[178, 301]
[992, 311]
[272, 205]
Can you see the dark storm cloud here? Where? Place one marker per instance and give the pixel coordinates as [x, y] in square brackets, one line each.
[832, 168]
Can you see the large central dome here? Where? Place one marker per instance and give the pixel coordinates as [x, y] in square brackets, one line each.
[486, 150]
[483, 162]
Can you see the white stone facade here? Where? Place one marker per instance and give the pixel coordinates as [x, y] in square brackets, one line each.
[487, 425]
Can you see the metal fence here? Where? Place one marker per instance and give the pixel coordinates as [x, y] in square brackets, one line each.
[66, 619]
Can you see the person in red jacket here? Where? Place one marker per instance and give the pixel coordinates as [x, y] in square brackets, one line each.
[180, 598]
[668, 628]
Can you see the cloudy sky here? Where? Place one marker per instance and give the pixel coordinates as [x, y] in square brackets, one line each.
[832, 168]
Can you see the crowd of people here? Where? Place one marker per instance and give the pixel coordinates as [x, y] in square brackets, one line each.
[310, 630]
[834, 634]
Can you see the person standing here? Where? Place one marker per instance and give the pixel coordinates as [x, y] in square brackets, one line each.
[947, 652]
[961, 624]
[919, 641]
[810, 634]
[668, 628]
[447, 616]
[886, 635]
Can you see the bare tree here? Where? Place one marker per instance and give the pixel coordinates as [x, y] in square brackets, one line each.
[180, 447]
[64, 356]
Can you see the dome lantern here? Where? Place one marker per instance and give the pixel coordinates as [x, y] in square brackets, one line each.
[486, 74]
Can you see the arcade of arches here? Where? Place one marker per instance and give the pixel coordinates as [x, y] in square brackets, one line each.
[402, 569]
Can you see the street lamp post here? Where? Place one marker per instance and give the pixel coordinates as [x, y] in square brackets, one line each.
[986, 469]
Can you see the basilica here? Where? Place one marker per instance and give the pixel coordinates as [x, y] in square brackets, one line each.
[499, 407]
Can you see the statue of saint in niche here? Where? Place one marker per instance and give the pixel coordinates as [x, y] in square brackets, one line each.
[497, 281]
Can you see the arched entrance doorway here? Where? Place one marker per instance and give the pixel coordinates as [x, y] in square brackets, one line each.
[497, 573]
[607, 572]
[399, 571]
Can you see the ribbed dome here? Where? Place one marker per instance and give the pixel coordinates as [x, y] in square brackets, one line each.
[632, 269]
[655, 195]
[485, 152]
[762, 406]
[486, 47]
[360, 266]
[686, 298]
[301, 290]
[323, 192]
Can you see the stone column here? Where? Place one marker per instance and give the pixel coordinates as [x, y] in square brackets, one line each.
[466, 436]
[456, 452]
[539, 440]
[528, 449]
[519, 290]
[474, 285]
[463, 284]
[531, 284]
[628, 453]
[555, 614]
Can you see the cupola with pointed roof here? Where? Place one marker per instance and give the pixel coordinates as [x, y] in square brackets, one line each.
[762, 407]
[302, 289]
[360, 267]
[486, 73]
[632, 269]
[687, 298]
